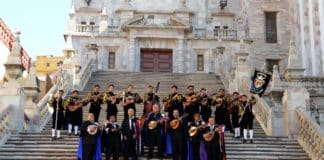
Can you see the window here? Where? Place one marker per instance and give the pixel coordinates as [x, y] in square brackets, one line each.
[200, 63]
[270, 63]
[271, 27]
[92, 23]
[111, 60]
[83, 22]
[216, 31]
[48, 64]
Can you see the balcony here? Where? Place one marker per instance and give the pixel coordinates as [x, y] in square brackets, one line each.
[225, 34]
[87, 28]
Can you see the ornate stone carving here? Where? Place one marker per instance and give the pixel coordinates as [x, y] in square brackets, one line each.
[14, 67]
[294, 70]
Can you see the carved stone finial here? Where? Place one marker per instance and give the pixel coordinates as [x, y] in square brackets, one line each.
[295, 69]
[14, 66]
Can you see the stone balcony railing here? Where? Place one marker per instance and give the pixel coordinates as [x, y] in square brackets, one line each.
[81, 78]
[223, 34]
[310, 135]
[87, 28]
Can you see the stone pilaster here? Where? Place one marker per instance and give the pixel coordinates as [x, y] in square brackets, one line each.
[180, 56]
[32, 112]
[276, 94]
[132, 54]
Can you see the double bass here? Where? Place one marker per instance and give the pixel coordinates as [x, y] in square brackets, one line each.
[148, 106]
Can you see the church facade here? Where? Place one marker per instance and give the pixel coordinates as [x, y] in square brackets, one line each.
[182, 36]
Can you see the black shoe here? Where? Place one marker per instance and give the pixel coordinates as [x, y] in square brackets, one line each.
[238, 137]
[53, 138]
[59, 137]
[251, 141]
[70, 134]
[244, 140]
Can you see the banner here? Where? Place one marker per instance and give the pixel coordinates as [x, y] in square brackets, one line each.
[260, 81]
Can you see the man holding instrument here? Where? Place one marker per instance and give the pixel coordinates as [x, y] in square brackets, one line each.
[173, 101]
[149, 99]
[56, 103]
[155, 129]
[129, 99]
[73, 106]
[95, 99]
[111, 100]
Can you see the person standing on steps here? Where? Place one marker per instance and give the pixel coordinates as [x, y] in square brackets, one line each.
[56, 102]
[73, 106]
[155, 130]
[111, 138]
[130, 132]
[236, 114]
[95, 99]
[90, 140]
[129, 100]
[111, 100]
[247, 117]
[204, 102]
[173, 101]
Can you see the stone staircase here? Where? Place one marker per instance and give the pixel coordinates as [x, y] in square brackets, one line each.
[38, 146]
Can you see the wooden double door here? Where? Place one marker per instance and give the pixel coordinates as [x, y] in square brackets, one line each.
[156, 60]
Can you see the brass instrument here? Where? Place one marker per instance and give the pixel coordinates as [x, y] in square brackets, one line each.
[210, 135]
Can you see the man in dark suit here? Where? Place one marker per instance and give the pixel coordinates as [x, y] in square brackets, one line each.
[155, 126]
[89, 133]
[130, 134]
[111, 139]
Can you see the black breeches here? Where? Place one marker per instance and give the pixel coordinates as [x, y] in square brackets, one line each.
[95, 110]
[130, 148]
[89, 151]
[178, 148]
[59, 122]
[154, 140]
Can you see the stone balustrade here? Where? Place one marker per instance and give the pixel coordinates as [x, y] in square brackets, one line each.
[225, 34]
[43, 108]
[310, 135]
[87, 28]
[263, 113]
[5, 115]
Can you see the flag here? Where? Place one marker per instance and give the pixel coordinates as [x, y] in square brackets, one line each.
[260, 81]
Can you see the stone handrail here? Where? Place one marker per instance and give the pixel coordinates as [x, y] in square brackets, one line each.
[263, 112]
[42, 106]
[310, 135]
[5, 133]
[86, 28]
[83, 76]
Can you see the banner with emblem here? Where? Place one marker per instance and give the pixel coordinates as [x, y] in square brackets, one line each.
[260, 81]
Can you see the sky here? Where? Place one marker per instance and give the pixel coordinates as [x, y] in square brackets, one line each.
[41, 22]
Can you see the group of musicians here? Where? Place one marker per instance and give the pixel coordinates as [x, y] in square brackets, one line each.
[189, 130]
